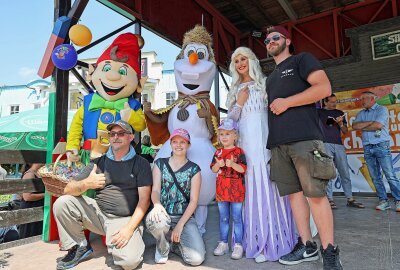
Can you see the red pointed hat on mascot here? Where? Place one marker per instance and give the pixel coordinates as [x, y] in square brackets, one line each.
[125, 48]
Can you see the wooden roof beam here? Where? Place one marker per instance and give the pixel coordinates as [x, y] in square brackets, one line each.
[312, 6]
[268, 18]
[244, 14]
[339, 3]
[229, 26]
[287, 7]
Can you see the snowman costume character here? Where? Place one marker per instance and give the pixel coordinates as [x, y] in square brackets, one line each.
[194, 74]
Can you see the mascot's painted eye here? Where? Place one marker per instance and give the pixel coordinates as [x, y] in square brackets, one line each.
[106, 68]
[202, 53]
[123, 71]
[190, 52]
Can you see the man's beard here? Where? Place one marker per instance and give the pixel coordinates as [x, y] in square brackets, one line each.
[116, 147]
[278, 50]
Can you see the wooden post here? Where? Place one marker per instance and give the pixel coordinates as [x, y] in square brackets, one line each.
[57, 122]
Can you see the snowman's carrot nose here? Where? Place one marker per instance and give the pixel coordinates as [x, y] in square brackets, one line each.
[193, 58]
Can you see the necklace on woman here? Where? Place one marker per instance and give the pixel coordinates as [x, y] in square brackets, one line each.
[247, 82]
[176, 165]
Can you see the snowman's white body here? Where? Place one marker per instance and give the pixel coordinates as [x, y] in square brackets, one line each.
[192, 78]
[201, 149]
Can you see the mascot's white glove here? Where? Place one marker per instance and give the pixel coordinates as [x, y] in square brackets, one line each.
[126, 112]
[155, 215]
[72, 156]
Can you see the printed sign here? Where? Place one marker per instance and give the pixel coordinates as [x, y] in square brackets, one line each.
[349, 102]
[385, 45]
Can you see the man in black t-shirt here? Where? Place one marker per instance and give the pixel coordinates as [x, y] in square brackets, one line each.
[333, 123]
[122, 180]
[299, 162]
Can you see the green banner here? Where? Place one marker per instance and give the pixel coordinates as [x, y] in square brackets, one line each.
[23, 141]
[385, 45]
[36, 140]
[10, 140]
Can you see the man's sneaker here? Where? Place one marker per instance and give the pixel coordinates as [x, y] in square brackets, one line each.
[237, 252]
[397, 206]
[75, 255]
[330, 258]
[221, 249]
[383, 205]
[301, 253]
[159, 258]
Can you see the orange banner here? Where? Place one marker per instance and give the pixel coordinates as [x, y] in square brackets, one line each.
[349, 102]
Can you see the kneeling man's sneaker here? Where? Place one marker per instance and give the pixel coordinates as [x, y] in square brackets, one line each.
[330, 258]
[301, 253]
[75, 255]
[159, 258]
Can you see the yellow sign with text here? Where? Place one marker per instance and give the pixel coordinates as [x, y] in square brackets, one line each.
[349, 102]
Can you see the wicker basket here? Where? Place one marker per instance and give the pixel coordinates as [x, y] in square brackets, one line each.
[53, 181]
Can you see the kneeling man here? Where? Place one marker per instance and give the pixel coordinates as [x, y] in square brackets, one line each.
[122, 180]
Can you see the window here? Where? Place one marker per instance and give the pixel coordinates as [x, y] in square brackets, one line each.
[36, 106]
[14, 109]
[170, 98]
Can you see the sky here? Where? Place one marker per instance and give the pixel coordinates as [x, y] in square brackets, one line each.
[26, 26]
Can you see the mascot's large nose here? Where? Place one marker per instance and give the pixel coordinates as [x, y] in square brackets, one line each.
[113, 76]
[193, 58]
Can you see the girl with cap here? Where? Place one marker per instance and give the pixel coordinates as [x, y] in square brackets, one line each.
[269, 229]
[230, 164]
[175, 194]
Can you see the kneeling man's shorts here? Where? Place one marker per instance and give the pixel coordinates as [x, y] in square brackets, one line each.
[298, 167]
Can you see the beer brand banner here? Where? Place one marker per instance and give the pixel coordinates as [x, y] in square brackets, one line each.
[23, 141]
[26, 130]
[350, 103]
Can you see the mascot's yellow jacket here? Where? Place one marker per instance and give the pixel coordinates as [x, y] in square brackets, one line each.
[95, 114]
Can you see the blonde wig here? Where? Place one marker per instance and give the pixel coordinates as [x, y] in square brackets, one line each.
[255, 73]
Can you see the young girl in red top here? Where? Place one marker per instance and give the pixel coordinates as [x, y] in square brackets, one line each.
[230, 164]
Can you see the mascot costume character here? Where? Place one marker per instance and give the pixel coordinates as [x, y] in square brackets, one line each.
[115, 78]
[195, 70]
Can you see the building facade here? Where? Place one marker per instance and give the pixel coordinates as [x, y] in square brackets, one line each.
[19, 98]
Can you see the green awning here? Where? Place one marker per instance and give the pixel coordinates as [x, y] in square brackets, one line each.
[26, 130]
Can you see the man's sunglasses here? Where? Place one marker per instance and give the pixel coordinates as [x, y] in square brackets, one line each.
[273, 38]
[119, 134]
